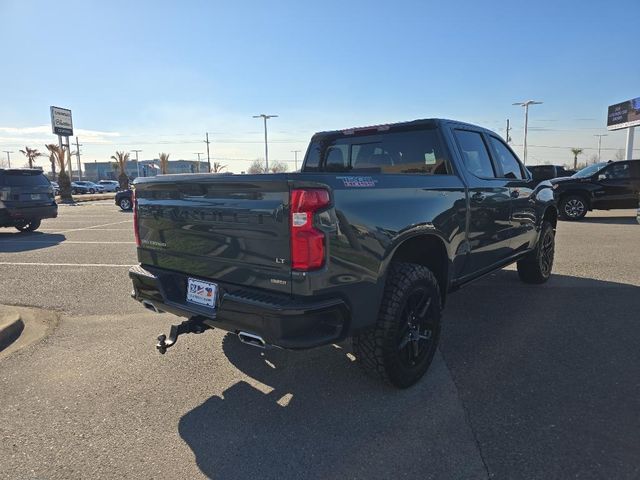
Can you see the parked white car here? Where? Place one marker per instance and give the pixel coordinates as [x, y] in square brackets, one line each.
[110, 185]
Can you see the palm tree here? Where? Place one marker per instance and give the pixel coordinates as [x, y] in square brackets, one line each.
[164, 162]
[576, 152]
[57, 155]
[217, 167]
[31, 154]
[121, 160]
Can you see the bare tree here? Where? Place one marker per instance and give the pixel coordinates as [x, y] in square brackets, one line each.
[278, 167]
[257, 166]
[121, 158]
[576, 152]
[164, 162]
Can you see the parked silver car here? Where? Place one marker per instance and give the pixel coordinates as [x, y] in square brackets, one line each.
[110, 185]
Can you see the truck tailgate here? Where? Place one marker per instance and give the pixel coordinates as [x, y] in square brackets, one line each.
[232, 229]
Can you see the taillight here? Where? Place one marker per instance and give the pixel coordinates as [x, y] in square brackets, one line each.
[307, 242]
[134, 204]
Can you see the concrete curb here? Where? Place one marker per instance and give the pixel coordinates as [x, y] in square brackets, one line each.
[89, 198]
[11, 326]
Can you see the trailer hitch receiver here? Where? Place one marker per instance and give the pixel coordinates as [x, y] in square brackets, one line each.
[192, 325]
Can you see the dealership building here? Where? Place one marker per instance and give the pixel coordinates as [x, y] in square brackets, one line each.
[95, 171]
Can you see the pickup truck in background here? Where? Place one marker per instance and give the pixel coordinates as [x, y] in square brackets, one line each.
[540, 173]
[600, 186]
[367, 241]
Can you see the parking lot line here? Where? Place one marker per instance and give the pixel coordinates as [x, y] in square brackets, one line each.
[44, 264]
[95, 226]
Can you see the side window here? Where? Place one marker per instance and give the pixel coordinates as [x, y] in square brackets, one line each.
[618, 171]
[474, 154]
[511, 167]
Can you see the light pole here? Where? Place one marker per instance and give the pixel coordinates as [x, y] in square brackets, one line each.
[600, 143]
[8, 157]
[295, 157]
[137, 164]
[526, 124]
[266, 147]
[198, 166]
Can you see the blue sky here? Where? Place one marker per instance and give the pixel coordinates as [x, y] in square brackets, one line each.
[158, 75]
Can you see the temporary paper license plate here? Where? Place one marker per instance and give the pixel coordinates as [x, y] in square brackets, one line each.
[202, 293]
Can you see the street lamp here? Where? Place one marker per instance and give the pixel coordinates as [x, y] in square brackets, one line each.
[137, 164]
[266, 148]
[600, 142]
[198, 166]
[526, 123]
[8, 152]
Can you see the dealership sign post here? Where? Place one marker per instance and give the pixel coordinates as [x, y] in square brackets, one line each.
[62, 125]
[625, 115]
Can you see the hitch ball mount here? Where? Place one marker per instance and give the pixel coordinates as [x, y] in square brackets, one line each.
[192, 325]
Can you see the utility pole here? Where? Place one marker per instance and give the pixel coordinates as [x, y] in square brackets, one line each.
[208, 157]
[295, 159]
[137, 164]
[78, 145]
[198, 166]
[526, 123]
[266, 147]
[8, 156]
[508, 137]
[600, 142]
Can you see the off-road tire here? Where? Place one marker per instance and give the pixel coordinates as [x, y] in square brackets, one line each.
[536, 267]
[377, 348]
[29, 227]
[125, 204]
[573, 207]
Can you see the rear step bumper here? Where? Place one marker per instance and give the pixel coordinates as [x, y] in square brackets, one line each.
[12, 214]
[279, 320]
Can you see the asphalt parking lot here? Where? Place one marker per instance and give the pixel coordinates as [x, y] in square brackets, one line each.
[530, 381]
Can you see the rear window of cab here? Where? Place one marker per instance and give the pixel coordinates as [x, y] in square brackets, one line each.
[405, 152]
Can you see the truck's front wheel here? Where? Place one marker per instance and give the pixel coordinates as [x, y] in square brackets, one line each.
[399, 348]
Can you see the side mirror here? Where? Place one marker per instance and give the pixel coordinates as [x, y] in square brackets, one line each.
[601, 177]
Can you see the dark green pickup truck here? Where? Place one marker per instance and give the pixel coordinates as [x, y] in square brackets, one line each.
[367, 241]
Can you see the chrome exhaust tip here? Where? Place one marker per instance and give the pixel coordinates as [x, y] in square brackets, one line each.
[251, 339]
[150, 306]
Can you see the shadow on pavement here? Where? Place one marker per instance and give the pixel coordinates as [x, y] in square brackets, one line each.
[317, 416]
[549, 378]
[611, 220]
[550, 374]
[11, 242]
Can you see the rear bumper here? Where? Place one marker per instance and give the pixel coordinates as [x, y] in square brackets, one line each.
[12, 215]
[280, 320]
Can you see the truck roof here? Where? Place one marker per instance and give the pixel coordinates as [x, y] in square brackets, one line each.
[424, 122]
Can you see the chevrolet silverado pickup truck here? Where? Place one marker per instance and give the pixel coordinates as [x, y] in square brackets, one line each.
[367, 241]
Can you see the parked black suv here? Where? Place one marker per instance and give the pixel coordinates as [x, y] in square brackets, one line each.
[601, 186]
[367, 241]
[26, 197]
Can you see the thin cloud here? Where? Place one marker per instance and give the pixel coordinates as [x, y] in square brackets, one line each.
[42, 134]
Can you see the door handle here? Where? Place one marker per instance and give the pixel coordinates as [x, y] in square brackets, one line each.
[477, 197]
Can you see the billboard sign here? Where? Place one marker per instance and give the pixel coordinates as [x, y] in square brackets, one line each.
[61, 123]
[624, 115]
